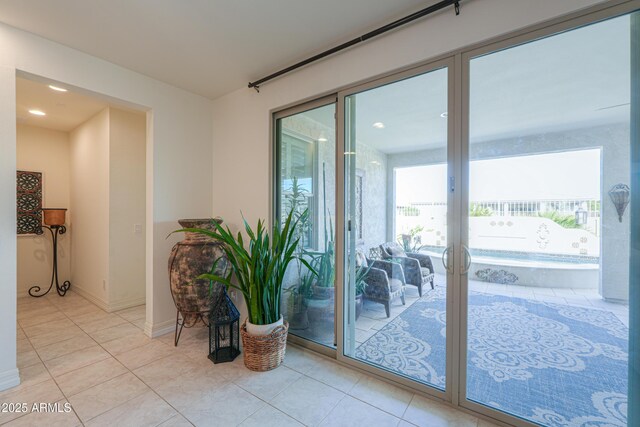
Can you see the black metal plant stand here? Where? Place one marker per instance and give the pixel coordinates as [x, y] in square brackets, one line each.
[55, 230]
[188, 320]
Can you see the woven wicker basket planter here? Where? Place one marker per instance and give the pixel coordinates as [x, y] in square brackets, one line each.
[264, 352]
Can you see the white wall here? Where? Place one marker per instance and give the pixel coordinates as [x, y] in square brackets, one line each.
[241, 119]
[108, 200]
[47, 151]
[90, 208]
[179, 170]
[8, 370]
[126, 209]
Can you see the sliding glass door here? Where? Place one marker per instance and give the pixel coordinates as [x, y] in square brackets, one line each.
[547, 263]
[396, 203]
[305, 188]
[472, 225]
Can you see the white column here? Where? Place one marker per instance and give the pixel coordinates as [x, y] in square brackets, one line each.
[8, 371]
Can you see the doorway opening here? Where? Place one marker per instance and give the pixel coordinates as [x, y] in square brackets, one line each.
[85, 155]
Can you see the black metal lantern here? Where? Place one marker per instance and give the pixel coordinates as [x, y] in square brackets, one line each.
[224, 330]
[581, 216]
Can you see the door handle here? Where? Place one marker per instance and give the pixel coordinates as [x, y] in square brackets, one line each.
[445, 259]
[467, 259]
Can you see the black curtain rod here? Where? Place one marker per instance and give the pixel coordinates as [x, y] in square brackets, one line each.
[403, 21]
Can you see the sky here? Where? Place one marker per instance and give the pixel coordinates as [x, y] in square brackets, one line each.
[564, 175]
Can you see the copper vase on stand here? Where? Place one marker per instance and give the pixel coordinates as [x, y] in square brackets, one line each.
[54, 219]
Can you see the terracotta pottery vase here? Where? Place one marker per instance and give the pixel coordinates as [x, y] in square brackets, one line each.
[191, 257]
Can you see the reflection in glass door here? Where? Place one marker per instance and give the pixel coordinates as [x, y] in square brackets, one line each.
[396, 199]
[549, 236]
[305, 181]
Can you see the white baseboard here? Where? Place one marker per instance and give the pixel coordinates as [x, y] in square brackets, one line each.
[126, 303]
[109, 307]
[616, 300]
[92, 298]
[159, 329]
[9, 379]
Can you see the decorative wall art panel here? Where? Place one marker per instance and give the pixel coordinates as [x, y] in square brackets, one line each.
[29, 202]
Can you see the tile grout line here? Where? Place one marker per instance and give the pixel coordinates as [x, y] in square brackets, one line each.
[45, 366]
[332, 408]
[161, 398]
[407, 408]
[116, 359]
[303, 374]
[99, 345]
[51, 375]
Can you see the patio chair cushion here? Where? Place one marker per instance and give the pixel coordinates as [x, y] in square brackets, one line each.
[361, 260]
[375, 253]
[384, 293]
[395, 285]
[396, 251]
[426, 272]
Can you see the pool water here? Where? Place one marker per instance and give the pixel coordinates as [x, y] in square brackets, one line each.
[522, 256]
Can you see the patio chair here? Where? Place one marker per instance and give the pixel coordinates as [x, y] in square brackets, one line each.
[418, 268]
[385, 281]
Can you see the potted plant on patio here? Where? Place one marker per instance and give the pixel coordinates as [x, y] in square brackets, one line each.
[296, 199]
[360, 285]
[297, 301]
[321, 301]
[257, 270]
[324, 264]
[411, 241]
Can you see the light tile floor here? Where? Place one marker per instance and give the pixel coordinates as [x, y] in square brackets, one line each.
[71, 351]
[373, 317]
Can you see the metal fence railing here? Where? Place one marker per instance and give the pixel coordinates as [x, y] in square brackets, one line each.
[510, 207]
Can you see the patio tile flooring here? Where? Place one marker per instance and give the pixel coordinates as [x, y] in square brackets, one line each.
[574, 297]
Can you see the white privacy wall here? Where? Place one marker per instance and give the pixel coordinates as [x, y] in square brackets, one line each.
[179, 153]
[242, 119]
[89, 219]
[126, 209]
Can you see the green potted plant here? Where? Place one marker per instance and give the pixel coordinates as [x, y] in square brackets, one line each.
[257, 270]
[411, 242]
[296, 200]
[297, 301]
[324, 263]
[361, 286]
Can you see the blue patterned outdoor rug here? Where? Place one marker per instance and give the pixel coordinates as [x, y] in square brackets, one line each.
[553, 364]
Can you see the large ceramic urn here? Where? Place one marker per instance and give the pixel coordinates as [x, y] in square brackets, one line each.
[191, 257]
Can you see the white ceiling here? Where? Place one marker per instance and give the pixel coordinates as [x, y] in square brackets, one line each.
[573, 80]
[209, 47]
[577, 79]
[64, 110]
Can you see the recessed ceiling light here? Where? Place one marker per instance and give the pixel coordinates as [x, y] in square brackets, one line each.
[37, 112]
[322, 137]
[444, 115]
[57, 88]
[378, 125]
